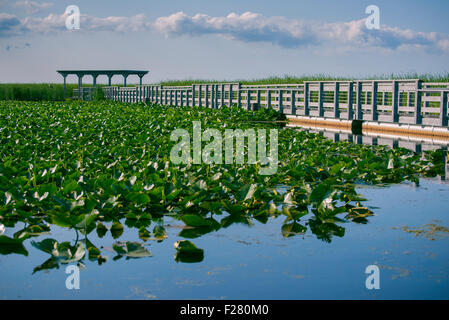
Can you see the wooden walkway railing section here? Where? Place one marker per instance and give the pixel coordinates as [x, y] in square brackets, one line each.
[394, 101]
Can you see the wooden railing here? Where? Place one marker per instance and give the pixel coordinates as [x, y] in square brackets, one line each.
[86, 93]
[394, 101]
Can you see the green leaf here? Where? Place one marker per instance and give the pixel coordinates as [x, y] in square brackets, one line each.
[116, 230]
[9, 245]
[194, 220]
[101, 230]
[131, 249]
[187, 252]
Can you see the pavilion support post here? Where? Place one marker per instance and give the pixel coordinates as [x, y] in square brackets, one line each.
[140, 79]
[94, 85]
[124, 79]
[110, 79]
[65, 86]
[80, 86]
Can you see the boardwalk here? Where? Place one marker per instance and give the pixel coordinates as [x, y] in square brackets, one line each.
[410, 102]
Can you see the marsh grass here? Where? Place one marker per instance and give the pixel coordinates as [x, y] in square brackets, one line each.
[287, 79]
[55, 91]
[38, 91]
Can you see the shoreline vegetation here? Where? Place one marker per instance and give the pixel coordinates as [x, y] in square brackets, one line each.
[55, 91]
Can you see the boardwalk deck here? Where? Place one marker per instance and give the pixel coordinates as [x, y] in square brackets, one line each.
[381, 101]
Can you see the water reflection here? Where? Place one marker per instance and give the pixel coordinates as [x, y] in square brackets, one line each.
[324, 217]
[413, 143]
[322, 221]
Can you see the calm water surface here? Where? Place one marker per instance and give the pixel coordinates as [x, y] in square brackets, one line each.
[257, 262]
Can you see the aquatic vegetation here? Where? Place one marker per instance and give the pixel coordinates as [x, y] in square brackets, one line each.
[97, 166]
[429, 231]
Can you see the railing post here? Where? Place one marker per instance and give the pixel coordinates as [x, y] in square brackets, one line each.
[350, 100]
[320, 100]
[374, 116]
[293, 102]
[230, 95]
[248, 99]
[358, 110]
[418, 117]
[216, 96]
[239, 96]
[394, 111]
[193, 95]
[258, 98]
[443, 109]
[200, 98]
[281, 106]
[212, 97]
[336, 100]
[222, 95]
[306, 99]
[268, 98]
[207, 96]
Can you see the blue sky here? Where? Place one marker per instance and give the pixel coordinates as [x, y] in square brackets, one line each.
[222, 39]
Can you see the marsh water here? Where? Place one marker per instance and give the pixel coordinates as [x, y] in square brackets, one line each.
[407, 238]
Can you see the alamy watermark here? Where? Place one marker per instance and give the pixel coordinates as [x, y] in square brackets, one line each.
[73, 280]
[372, 22]
[185, 152]
[373, 280]
[72, 22]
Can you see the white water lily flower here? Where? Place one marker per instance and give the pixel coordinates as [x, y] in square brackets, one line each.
[2, 229]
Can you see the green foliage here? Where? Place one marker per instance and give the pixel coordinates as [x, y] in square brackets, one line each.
[105, 165]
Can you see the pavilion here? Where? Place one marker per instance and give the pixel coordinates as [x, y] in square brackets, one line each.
[95, 73]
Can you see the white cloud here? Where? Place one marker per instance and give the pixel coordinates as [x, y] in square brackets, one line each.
[252, 27]
[32, 7]
[246, 27]
[54, 23]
